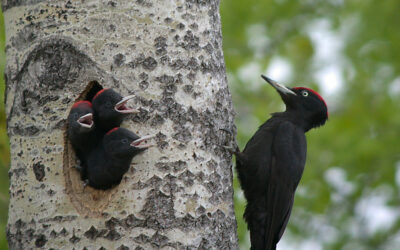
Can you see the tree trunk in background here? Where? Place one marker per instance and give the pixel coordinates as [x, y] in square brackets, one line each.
[167, 53]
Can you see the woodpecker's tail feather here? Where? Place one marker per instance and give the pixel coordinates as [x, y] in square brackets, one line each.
[258, 239]
[257, 222]
[257, 234]
[267, 226]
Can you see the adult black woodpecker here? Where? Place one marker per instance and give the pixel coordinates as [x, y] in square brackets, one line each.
[271, 165]
[111, 159]
[80, 131]
[109, 110]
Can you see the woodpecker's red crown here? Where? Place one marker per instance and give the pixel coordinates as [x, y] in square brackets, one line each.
[316, 94]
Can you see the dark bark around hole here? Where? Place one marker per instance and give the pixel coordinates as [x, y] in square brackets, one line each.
[92, 88]
[90, 91]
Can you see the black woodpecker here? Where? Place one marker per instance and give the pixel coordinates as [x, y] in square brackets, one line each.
[109, 110]
[80, 131]
[271, 165]
[110, 160]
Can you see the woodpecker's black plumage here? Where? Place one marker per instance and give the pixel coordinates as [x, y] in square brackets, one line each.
[110, 160]
[80, 131]
[271, 165]
[109, 110]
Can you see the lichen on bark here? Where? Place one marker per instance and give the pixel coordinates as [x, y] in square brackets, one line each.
[168, 54]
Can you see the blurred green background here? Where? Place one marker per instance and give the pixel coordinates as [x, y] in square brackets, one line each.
[349, 51]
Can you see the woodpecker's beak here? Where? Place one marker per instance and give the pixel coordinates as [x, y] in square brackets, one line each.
[136, 143]
[280, 88]
[122, 108]
[86, 121]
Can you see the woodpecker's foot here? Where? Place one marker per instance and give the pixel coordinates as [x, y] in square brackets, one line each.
[85, 183]
[232, 149]
[78, 167]
[227, 131]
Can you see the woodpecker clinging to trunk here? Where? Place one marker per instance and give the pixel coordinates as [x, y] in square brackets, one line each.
[110, 160]
[271, 165]
[109, 110]
[80, 131]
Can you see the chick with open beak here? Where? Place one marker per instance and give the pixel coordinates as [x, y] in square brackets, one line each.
[111, 159]
[81, 131]
[110, 108]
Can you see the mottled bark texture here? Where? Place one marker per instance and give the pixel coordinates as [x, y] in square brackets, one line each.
[169, 54]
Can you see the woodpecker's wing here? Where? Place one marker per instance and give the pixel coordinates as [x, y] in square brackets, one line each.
[252, 164]
[253, 168]
[288, 158]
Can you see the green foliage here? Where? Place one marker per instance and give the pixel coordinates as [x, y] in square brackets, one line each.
[360, 140]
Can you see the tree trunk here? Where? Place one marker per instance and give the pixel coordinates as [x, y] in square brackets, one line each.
[167, 53]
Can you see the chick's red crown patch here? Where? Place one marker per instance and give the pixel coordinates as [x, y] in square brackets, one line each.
[82, 103]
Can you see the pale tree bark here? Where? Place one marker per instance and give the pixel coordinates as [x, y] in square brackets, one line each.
[169, 54]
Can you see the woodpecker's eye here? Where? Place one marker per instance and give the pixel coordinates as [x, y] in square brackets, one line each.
[304, 93]
[124, 141]
[75, 116]
[108, 104]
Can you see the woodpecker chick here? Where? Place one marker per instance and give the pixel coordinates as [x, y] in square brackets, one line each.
[80, 131]
[109, 109]
[111, 158]
[271, 165]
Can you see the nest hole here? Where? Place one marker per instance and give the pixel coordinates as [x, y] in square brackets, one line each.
[87, 200]
[90, 91]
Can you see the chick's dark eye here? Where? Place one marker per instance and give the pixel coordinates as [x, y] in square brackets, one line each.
[304, 93]
[75, 116]
[124, 141]
[108, 104]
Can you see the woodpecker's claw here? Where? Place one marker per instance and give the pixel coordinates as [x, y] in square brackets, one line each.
[122, 108]
[226, 131]
[232, 149]
[136, 143]
[78, 167]
[229, 148]
[85, 183]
